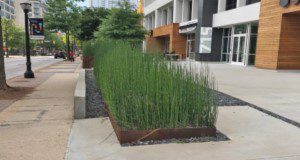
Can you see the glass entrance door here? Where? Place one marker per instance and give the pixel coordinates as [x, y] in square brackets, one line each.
[190, 47]
[238, 49]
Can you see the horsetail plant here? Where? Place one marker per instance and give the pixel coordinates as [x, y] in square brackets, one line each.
[144, 91]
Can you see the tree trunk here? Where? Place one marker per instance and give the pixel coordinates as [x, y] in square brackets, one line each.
[74, 44]
[6, 40]
[68, 44]
[3, 84]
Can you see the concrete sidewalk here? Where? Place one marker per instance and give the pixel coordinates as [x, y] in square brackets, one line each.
[276, 91]
[37, 127]
[254, 136]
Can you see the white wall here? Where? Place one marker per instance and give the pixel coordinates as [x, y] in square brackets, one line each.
[155, 5]
[177, 11]
[221, 5]
[239, 15]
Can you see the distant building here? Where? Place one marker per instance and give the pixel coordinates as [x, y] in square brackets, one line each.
[7, 9]
[140, 6]
[38, 8]
[107, 3]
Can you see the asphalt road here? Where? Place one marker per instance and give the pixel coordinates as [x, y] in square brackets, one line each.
[16, 66]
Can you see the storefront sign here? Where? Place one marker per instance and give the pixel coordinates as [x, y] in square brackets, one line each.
[36, 28]
[205, 40]
[286, 3]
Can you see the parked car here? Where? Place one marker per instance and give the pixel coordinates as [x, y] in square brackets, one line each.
[59, 55]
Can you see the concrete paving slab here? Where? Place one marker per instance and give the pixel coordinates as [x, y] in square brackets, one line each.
[37, 127]
[276, 91]
[58, 71]
[254, 135]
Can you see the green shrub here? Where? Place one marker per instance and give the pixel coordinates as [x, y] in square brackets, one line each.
[143, 91]
[87, 48]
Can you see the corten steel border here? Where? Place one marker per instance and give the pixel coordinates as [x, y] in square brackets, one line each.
[87, 61]
[158, 134]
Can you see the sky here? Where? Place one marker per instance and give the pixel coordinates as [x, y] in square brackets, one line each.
[83, 4]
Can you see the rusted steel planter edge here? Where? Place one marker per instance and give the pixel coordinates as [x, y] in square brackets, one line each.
[87, 61]
[158, 134]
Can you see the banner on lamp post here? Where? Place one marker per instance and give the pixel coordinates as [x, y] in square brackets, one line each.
[36, 28]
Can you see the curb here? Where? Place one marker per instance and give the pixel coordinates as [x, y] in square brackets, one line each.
[36, 70]
[79, 96]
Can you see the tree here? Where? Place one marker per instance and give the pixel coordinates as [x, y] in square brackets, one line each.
[14, 36]
[3, 84]
[122, 23]
[7, 25]
[62, 15]
[53, 41]
[90, 20]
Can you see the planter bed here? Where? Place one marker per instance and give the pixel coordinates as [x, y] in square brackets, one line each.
[87, 61]
[133, 136]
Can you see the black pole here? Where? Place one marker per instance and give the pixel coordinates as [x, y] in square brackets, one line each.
[68, 44]
[28, 73]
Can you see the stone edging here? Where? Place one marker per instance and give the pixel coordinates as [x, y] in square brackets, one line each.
[79, 96]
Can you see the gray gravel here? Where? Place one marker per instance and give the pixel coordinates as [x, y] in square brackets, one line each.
[223, 99]
[219, 137]
[95, 108]
[94, 105]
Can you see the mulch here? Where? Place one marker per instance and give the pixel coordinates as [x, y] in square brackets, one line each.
[12, 94]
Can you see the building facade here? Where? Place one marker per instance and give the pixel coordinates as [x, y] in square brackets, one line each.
[7, 9]
[263, 33]
[107, 3]
[239, 21]
[278, 45]
[38, 8]
[140, 6]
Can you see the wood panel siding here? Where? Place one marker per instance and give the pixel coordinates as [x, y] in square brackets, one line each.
[289, 49]
[177, 41]
[279, 29]
[154, 45]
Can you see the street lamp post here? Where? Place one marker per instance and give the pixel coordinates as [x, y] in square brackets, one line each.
[27, 8]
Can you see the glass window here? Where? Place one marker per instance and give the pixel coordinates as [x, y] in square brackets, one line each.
[7, 8]
[167, 44]
[190, 10]
[253, 41]
[252, 44]
[251, 1]
[225, 57]
[193, 46]
[225, 44]
[171, 14]
[227, 32]
[240, 29]
[242, 49]
[251, 59]
[7, 15]
[235, 49]
[254, 29]
[231, 4]
[165, 17]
